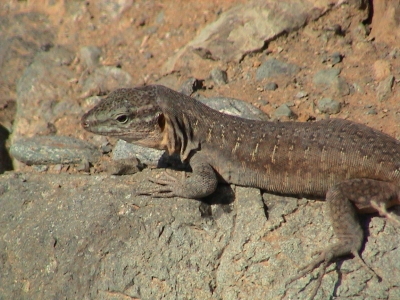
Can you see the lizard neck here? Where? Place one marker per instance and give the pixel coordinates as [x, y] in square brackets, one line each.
[179, 135]
[186, 122]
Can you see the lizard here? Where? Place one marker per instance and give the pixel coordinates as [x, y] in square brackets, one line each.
[355, 168]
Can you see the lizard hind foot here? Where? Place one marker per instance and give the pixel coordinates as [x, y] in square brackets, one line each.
[321, 261]
[364, 265]
[381, 209]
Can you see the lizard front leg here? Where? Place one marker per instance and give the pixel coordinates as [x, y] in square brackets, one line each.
[198, 184]
[343, 201]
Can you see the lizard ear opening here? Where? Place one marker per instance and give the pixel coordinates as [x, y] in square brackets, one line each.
[161, 121]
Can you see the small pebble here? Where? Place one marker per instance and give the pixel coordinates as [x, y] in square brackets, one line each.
[191, 85]
[283, 111]
[148, 55]
[106, 148]
[44, 150]
[273, 67]
[84, 166]
[384, 88]
[90, 56]
[58, 168]
[124, 166]
[371, 111]
[329, 106]
[219, 77]
[263, 102]
[301, 94]
[336, 58]
[41, 168]
[271, 86]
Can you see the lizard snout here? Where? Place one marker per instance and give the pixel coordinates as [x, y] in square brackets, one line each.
[86, 122]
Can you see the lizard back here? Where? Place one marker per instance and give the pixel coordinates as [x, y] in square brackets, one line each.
[286, 157]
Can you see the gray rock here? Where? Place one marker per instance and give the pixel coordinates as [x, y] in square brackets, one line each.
[125, 150]
[113, 9]
[385, 26]
[395, 53]
[190, 86]
[329, 79]
[160, 17]
[20, 40]
[245, 29]
[273, 67]
[342, 87]
[336, 29]
[301, 94]
[235, 107]
[263, 102]
[283, 111]
[150, 30]
[43, 90]
[84, 236]
[124, 166]
[59, 56]
[41, 168]
[359, 33]
[84, 166]
[271, 86]
[336, 58]
[44, 150]
[148, 55]
[358, 88]
[218, 76]
[384, 88]
[106, 148]
[371, 111]
[90, 56]
[329, 106]
[326, 77]
[104, 80]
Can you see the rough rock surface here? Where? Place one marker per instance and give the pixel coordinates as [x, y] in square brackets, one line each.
[228, 38]
[90, 237]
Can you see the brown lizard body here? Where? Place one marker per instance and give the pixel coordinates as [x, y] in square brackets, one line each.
[355, 167]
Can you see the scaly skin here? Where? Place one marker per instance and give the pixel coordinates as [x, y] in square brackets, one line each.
[355, 167]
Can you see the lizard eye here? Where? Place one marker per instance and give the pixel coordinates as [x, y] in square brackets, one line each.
[122, 119]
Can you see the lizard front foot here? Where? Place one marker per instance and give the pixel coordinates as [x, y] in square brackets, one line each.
[168, 186]
[200, 183]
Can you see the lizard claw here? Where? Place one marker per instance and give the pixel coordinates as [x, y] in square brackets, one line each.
[322, 261]
[165, 179]
[381, 209]
[315, 263]
[158, 192]
[166, 186]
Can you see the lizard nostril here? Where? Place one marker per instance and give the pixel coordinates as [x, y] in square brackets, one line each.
[85, 123]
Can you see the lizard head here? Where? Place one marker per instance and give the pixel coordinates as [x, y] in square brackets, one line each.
[129, 114]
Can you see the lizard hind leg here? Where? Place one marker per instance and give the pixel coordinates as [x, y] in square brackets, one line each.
[343, 200]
